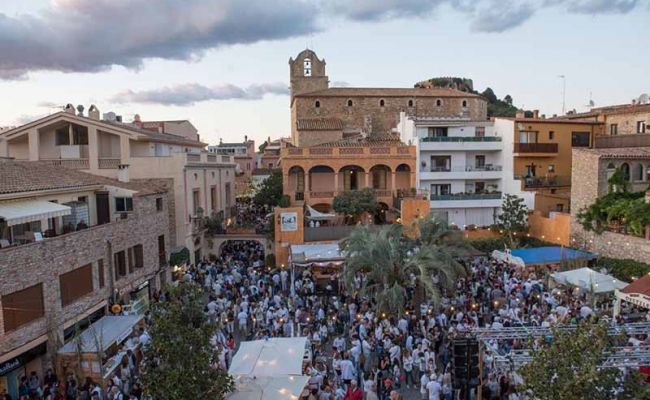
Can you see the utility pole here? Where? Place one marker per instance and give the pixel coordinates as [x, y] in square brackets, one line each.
[563, 93]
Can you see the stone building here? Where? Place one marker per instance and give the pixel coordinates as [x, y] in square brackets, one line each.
[243, 153]
[71, 244]
[320, 114]
[623, 119]
[592, 169]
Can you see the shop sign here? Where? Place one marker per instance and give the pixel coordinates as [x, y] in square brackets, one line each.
[288, 221]
[9, 365]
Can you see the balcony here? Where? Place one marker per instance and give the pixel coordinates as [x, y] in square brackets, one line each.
[488, 171]
[206, 158]
[630, 140]
[462, 139]
[299, 196]
[109, 163]
[533, 149]
[466, 200]
[347, 152]
[461, 143]
[546, 182]
[466, 196]
[81, 163]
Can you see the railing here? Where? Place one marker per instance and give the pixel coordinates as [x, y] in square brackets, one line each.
[550, 181]
[462, 139]
[383, 192]
[109, 163]
[73, 164]
[321, 195]
[535, 147]
[299, 196]
[467, 196]
[320, 150]
[396, 150]
[467, 168]
[350, 150]
[628, 140]
[380, 150]
[193, 157]
[225, 158]
[212, 158]
[295, 152]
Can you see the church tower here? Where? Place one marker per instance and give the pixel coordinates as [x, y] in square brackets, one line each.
[307, 73]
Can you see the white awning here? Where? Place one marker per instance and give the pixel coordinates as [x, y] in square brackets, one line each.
[316, 252]
[21, 212]
[269, 388]
[108, 330]
[589, 280]
[275, 357]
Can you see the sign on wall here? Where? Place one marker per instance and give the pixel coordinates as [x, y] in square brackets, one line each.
[288, 221]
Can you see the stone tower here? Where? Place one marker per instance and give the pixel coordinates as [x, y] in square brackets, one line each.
[307, 73]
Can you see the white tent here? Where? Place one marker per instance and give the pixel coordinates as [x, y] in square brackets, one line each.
[277, 388]
[317, 215]
[108, 330]
[316, 252]
[589, 280]
[507, 257]
[275, 357]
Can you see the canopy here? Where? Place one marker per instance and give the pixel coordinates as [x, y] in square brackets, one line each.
[317, 215]
[269, 358]
[266, 388]
[507, 257]
[21, 212]
[637, 292]
[108, 330]
[550, 255]
[589, 280]
[317, 252]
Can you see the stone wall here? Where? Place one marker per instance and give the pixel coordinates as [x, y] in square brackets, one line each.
[43, 262]
[626, 123]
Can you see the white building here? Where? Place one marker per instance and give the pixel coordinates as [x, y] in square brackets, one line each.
[460, 162]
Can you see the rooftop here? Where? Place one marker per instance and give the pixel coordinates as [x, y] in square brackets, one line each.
[320, 124]
[620, 152]
[361, 141]
[388, 92]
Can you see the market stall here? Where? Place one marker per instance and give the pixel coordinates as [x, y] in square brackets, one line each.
[98, 351]
[637, 293]
[278, 388]
[324, 261]
[589, 280]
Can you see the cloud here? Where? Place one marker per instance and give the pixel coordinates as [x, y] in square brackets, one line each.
[190, 93]
[501, 16]
[373, 10]
[602, 6]
[91, 36]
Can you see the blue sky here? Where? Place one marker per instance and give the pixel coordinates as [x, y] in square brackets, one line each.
[223, 63]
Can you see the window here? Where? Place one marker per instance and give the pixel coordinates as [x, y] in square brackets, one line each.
[440, 190]
[213, 198]
[440, 163]
[438, 103]
[613, 129]
[551, 135]
[307, 67]
[410, 103]
[639, 172]
[479, 187]
[580, 139]
[479, 131]
[464, 103]
[531, 170]
[21, 307]
[527, 136]
[119, 264]
[123, 204]
[382, 103]
[437, 132]
[76, 284]
[551, 168]
[379, 176]
[349, 103]
[100, 272]
[317, 104]
[625, 168]
[138, 256]
[640, 127]
[162, 254]
[79, 135]
[559, 207]
[196, 203]
[248, 166]
[159, 204]
[479, 162]
[62, 137]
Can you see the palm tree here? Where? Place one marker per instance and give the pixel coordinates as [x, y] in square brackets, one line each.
[393, 263]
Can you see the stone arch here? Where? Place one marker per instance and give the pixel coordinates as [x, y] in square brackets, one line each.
[322, 207]
[625, 169]
[321, 178]
[352, 177]
[639, 172]
[380, 175]
[297, 178]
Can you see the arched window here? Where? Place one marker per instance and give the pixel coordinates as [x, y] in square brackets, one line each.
[350, 103]
[307, 67]
[438, 103]
[625, 168]
[464, 103]
[382, 103]
[639, 173]
[611, 168]
[317, 104]
[410, 103]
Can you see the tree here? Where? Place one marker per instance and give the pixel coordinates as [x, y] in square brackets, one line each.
[270, 192]
[508, 100]
[489, 95]
[395, 264]
[355, 202]
[568, 367]
[178, 358]
[512, 218]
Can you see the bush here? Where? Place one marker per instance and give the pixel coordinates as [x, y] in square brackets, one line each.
[623, 269]
[269, 261]
[180, 257]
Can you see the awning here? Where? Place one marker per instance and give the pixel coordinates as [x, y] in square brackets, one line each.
[319, 216]
[317, 252]
[21, 212]
[589, 280]
[275, 357]
[106, 331]
[269, 388]
[637, 292]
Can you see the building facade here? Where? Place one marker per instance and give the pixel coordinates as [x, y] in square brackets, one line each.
[320, 114]
[203, 183]
[622, 119]
[245, 159]
[71, 244]
[460, 163]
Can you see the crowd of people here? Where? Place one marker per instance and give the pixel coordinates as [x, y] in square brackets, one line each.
[252, 215]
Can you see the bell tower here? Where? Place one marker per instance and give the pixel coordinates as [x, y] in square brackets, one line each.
[307, 73]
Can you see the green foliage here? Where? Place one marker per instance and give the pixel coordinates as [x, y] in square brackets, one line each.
[500, 243]
[512, 218]
[390, 258]
[356, 202]
[619, 182]
[179, 257]
[620, 207]
[262, 147]
[213, 225]
[567, 368]
[269, 261]
[178, 358]
[270, 192]
[285, 201]
[623, 269]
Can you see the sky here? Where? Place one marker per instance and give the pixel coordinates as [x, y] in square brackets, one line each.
[223, 64]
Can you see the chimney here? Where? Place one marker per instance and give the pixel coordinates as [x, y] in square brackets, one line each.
[80, 108]
[520, 114]
[245, 138]
[69, 109]
[543, 116]
[536, 114]
[554, 115]
[93, 112]
[123, 173]
[136, 119]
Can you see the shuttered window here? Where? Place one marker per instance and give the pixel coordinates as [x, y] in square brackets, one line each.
[22, 307]
[138, 256]
[100, 272]
[76, 284]
[119, 264]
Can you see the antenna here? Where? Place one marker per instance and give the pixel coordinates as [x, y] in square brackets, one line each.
[563, 93]
[591, 103]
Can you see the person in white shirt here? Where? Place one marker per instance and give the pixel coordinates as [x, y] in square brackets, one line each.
[243, 318]
[424, 381]
[407, 364]
[347, 369]
[434, 388]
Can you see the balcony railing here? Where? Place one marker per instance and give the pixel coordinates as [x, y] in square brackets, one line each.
[536, 147]
[629, 140]
[462, 139]
[467, 196]
[550, 181]
[468, 168]
[321, 195]
[73, 164]
[361, 151]
[109, 163]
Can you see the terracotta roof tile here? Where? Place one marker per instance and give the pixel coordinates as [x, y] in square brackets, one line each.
[320, 124]
[620, 152]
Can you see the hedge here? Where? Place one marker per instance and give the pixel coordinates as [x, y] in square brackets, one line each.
[623, 269]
